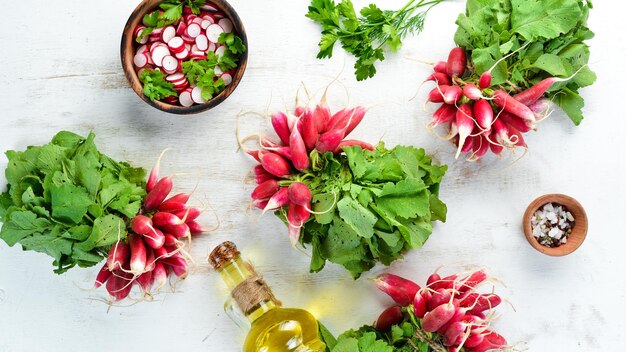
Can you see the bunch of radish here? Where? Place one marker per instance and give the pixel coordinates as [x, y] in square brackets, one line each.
[154, 247]
[451, 308]
[478, 116]
[281, 162]
[190, 38]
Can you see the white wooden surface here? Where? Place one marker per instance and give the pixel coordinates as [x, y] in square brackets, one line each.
[60, 70]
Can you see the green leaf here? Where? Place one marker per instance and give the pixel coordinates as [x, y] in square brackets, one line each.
[359, 218]
[550, 63]
[572, 103]
[54, 246]
[69, 202]
[155, 87]
[544, 19]
[327, 337]
[22, 224]
[106, 231]
[405, 199]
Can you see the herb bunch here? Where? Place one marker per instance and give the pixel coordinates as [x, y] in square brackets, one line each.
[171, 12]
[68, 200]
[155, 87]
[366, 36]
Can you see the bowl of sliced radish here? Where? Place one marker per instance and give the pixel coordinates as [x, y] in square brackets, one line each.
[184, 56]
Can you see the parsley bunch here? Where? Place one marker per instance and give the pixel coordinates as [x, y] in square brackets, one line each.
[550, 36]
[155, 87]
[171, 12]
[371, 206]
[68, 200]
[366, 36]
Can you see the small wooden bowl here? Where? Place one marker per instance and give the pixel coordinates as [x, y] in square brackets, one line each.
[128, 52]
[579, 232]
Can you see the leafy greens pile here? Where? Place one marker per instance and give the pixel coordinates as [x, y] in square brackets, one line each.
[551, 35]
[404, 337]
[366, 36]
[371, 205]
[68, 200]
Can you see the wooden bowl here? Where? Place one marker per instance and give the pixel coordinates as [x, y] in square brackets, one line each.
[579, 232]
[128, 51]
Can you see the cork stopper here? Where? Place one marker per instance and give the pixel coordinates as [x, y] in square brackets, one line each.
[223, 254]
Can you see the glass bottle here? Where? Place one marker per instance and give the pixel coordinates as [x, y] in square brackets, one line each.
[272, 327]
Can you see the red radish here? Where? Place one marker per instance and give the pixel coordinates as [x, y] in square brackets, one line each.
[280, 122]
[260, 204]
[161, 219]
[178, 265]
[321, 116]
[193, 30]
[188, 214]
[299, 155]
[541, 105]
[103, 275]
[297, 215]
[495, 148]
[309, 129]
[503, 137]
[519, 138]
[445, 283]
[491, 342]
[196, 96]
[389, 317]
[265, 190]
[511, 105]
[473, 340]
[440, 67]
[469, 144]
[437, 317]
[453, 333]
[465, 124]
[471, 281]
[355, 119]
[169, 32]
[170, 240]
[329, 141]
[213, 32]
[299, 193]
[118, 255]
[432, 279]
[436, 94]
[452, 95]
[226, 24]
[456, 62]
[480, 147]
[159, 275]
[483, 114]
[140, 60]
[137, 254]
[439, 297]
[142, 224]
[444, 114]
[274, 164]
[440, 78]
[265, 177]
[149, 259]
[157, 195]
[537, 91]
[178, 230]
[278, 200]
[353, 143]
[485, 80]
[472, 92]
[170, 64]
[419, 305]
[145, 281]
[185, 98]
[194, 227]
[119, 285]
[177, 202]
[478, 303]
[155, 239]
[160, 253]
[401, 290]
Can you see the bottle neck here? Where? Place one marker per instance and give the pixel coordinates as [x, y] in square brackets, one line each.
[248, 289]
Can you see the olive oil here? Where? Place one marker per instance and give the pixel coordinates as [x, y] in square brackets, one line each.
[273, 328]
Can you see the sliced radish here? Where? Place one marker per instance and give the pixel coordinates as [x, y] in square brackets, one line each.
[226, 24]
[158, 54]
[185, 98]
[182, 27]
[193, 30]
[175, 77]
[168, 33]
[218, 15]
[196, 96]
[218, 71]
[143, 49]
[197, 56]
[208, 7]
[140, 60]
[213, 32]
[138, 30]
[212, 47]
[170, 64]
[187, 39]
[220, 51]
[188, 46]
[198, 20]
[182, 55]
[202, 42]
[172, 100]
[227, 78]
[176, 44]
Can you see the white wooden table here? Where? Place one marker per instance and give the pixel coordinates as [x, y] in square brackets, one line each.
[60, 70]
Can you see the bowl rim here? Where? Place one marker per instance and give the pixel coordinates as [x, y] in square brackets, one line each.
[574, 206]
[130, 73]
